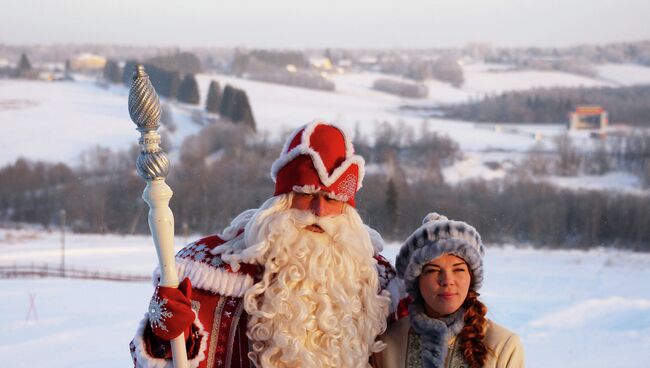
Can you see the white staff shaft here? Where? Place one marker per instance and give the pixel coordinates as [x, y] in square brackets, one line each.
[161, 222]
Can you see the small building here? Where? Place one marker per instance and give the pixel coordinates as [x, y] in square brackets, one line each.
[588, 117]
[88, 62]
[321, 63]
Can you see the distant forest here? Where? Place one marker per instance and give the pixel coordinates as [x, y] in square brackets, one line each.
[224, 170]
[627, 105]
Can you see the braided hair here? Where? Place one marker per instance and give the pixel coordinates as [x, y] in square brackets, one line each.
[472, 336]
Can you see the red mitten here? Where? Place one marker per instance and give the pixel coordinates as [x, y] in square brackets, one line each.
[170, 311]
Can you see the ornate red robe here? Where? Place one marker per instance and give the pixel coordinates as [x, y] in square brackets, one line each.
[218, 338]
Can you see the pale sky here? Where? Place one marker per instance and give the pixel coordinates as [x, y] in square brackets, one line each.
[333, 23]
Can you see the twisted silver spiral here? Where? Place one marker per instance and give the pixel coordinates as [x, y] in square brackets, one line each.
[152, 165]
[144, 106]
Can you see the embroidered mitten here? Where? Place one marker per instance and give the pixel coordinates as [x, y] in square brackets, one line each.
[170, 311]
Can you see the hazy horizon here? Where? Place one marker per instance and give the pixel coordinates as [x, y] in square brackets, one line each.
[291, 24]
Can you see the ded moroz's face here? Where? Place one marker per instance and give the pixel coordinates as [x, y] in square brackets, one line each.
[318, 204]
[444, 284]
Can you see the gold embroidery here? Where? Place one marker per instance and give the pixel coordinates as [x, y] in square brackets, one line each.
[455, 356]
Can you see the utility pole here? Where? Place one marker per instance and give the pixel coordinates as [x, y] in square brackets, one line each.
[62, 221]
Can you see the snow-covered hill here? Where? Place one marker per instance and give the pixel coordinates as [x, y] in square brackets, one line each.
[624, 74]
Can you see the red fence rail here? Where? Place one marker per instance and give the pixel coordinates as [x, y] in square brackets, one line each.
[46, 270]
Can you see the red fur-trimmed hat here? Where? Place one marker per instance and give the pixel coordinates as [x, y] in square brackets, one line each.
[319, 157]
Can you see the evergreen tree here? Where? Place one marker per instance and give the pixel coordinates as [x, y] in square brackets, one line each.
[112, 71]
[227, 101]
[236, 107]
[25, 68]
[242, 112]
[67, 68]
[129, 69]
[24, 64]
[166, 83]
[392, 208]
[188, 91]
[214, 98]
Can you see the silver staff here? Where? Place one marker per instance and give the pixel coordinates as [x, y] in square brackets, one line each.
[153, 166]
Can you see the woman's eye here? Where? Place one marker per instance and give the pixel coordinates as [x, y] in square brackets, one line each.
[459, 270]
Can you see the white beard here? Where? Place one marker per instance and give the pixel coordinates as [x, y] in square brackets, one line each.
[317, 304]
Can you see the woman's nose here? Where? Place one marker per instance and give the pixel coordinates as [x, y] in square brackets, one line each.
[445, 278]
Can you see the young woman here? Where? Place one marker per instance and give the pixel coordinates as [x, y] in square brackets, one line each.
[441, 264]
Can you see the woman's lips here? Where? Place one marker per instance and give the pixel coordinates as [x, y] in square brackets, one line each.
[447, 296]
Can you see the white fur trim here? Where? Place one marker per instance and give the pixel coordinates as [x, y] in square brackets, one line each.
[397, 292]
[375, 238]
[155, 277]
[306, 189]
[338, 197]
[144, 360]
[213, 279]
[206, 277]
[303, 149]
[312, 189]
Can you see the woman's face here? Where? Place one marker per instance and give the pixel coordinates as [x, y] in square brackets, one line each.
[444, 284]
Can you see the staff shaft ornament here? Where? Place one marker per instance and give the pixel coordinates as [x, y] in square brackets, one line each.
[153, 167]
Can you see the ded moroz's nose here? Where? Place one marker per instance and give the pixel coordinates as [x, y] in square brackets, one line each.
[318, 205]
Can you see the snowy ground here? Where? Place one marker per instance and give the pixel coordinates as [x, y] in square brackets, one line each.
[571, 308]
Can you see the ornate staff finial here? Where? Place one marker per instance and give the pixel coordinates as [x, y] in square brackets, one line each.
[144, 109]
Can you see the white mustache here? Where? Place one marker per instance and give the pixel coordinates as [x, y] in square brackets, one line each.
[329, 224]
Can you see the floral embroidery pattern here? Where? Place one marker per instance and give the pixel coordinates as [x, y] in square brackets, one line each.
[198, 251]
[413, 350]
[348, 186]
[158, 313]
[457, 360]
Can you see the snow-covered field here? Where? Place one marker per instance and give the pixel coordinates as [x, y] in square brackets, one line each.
[571, 308]
[624, 74]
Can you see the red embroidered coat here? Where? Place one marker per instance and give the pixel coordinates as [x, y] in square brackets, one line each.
[218, 338]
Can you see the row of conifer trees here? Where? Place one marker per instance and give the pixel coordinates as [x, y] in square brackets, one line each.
[231, 103]
[104, 193]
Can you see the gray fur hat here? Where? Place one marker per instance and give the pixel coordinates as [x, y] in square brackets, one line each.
[437, 236]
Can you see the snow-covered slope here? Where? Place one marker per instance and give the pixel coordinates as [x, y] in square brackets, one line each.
[55, 121]
[480, 81]
[624, 74]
